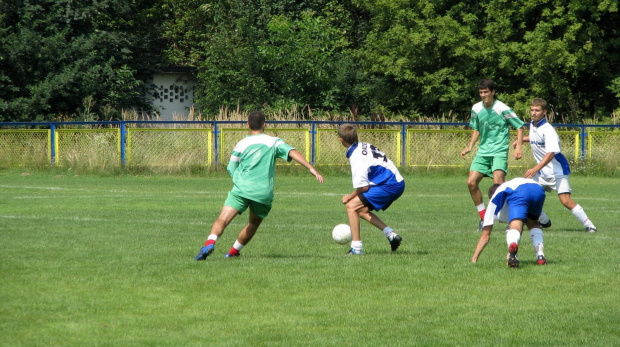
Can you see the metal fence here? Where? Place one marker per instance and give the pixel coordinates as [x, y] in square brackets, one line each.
[204, 143]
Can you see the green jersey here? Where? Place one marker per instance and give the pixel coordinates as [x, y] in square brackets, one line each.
[252, 166]
[494, 124]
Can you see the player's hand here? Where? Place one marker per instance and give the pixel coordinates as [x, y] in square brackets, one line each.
[530, 173]
[518, 154]
[465, 151]
[317, 175]
[345, 199]
[514, 144]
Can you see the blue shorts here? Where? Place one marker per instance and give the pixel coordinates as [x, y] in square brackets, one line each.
[526, 202]
[381, 197]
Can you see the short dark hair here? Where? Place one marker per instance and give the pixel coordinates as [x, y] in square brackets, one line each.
[486, 83]
[493, 188]
[256, 120]
[348, 133]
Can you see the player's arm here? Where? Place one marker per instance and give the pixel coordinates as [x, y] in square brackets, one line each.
[356, 192]
[545, 160]
[296, 156]
[233, 164]
[474, 137]
[519, 144]
[482, 242]
[526, 138]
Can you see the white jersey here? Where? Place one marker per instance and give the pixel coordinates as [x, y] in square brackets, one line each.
[497, 210]
[370, 166]
[544, 139]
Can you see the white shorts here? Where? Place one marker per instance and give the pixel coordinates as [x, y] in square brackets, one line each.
[557, 183]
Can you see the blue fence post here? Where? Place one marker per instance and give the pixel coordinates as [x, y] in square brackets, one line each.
[215, 145]
[313, 143]
[123, 143]
[52, 144]
[583, 142]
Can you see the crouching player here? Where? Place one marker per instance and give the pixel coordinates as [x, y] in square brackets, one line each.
[516, 202]
[377, 183]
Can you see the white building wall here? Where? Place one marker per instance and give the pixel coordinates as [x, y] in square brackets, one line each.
[174, 95]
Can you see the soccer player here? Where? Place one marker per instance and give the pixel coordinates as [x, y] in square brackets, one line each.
[377, 183]
[516, 202]
[552, 169]
[490, 120]
[252, 167]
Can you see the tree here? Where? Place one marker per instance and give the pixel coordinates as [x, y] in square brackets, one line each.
[56, 54]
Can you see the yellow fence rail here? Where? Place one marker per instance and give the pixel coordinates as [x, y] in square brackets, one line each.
[408, 145]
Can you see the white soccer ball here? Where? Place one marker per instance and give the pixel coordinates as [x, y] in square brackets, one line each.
[342, 234]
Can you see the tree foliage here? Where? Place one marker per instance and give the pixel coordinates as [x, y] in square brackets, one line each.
[57, 55]
[404, 57]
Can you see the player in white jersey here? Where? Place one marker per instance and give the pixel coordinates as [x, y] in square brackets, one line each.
[552, 169]
[377, 183]
[252, 167]
[516, 202]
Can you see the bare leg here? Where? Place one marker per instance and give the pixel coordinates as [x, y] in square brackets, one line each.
[499, 176]
[246, 234]
[473, 184]
[226, 216]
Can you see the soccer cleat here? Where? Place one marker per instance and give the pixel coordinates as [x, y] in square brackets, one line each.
[395, 242]
[228, 255]
[354, 252]
[205, 252]
[480, 225]
[512, 255]
[540, 260]
[591, 229]
[546, 225]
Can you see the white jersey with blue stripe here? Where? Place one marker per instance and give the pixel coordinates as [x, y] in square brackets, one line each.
[544, 139]
[370, 166]
[498, 208]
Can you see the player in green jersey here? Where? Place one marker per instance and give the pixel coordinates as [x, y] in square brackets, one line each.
[490, 120]
[252, 167]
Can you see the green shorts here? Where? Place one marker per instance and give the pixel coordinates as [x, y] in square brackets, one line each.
[240, 204]
[486, 165]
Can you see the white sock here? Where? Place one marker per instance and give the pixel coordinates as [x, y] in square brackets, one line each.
[536, 235]
[238, 246]
[480, 207]
[388, 232]
[543, 219]
[212, 237]
[356, 245]
[580, 214]
[512, 235]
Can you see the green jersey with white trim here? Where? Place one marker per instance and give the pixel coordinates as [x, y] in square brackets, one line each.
[494, 125]
[252, 166]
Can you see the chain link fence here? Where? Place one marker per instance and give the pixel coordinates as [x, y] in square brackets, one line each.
[169, 147]
[24, 147]
[87, 148]
[204, 144]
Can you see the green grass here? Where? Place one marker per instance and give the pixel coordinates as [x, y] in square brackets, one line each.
[89, 260]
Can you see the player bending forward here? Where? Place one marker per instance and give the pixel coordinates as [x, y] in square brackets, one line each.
[377, 184]
[516, 202]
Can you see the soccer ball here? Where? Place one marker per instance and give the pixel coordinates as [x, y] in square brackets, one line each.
[342, 234]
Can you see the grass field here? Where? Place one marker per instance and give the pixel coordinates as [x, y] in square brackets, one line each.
[109, 261]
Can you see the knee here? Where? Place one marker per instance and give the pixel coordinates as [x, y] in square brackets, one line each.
[472, 184]
[351, 207]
